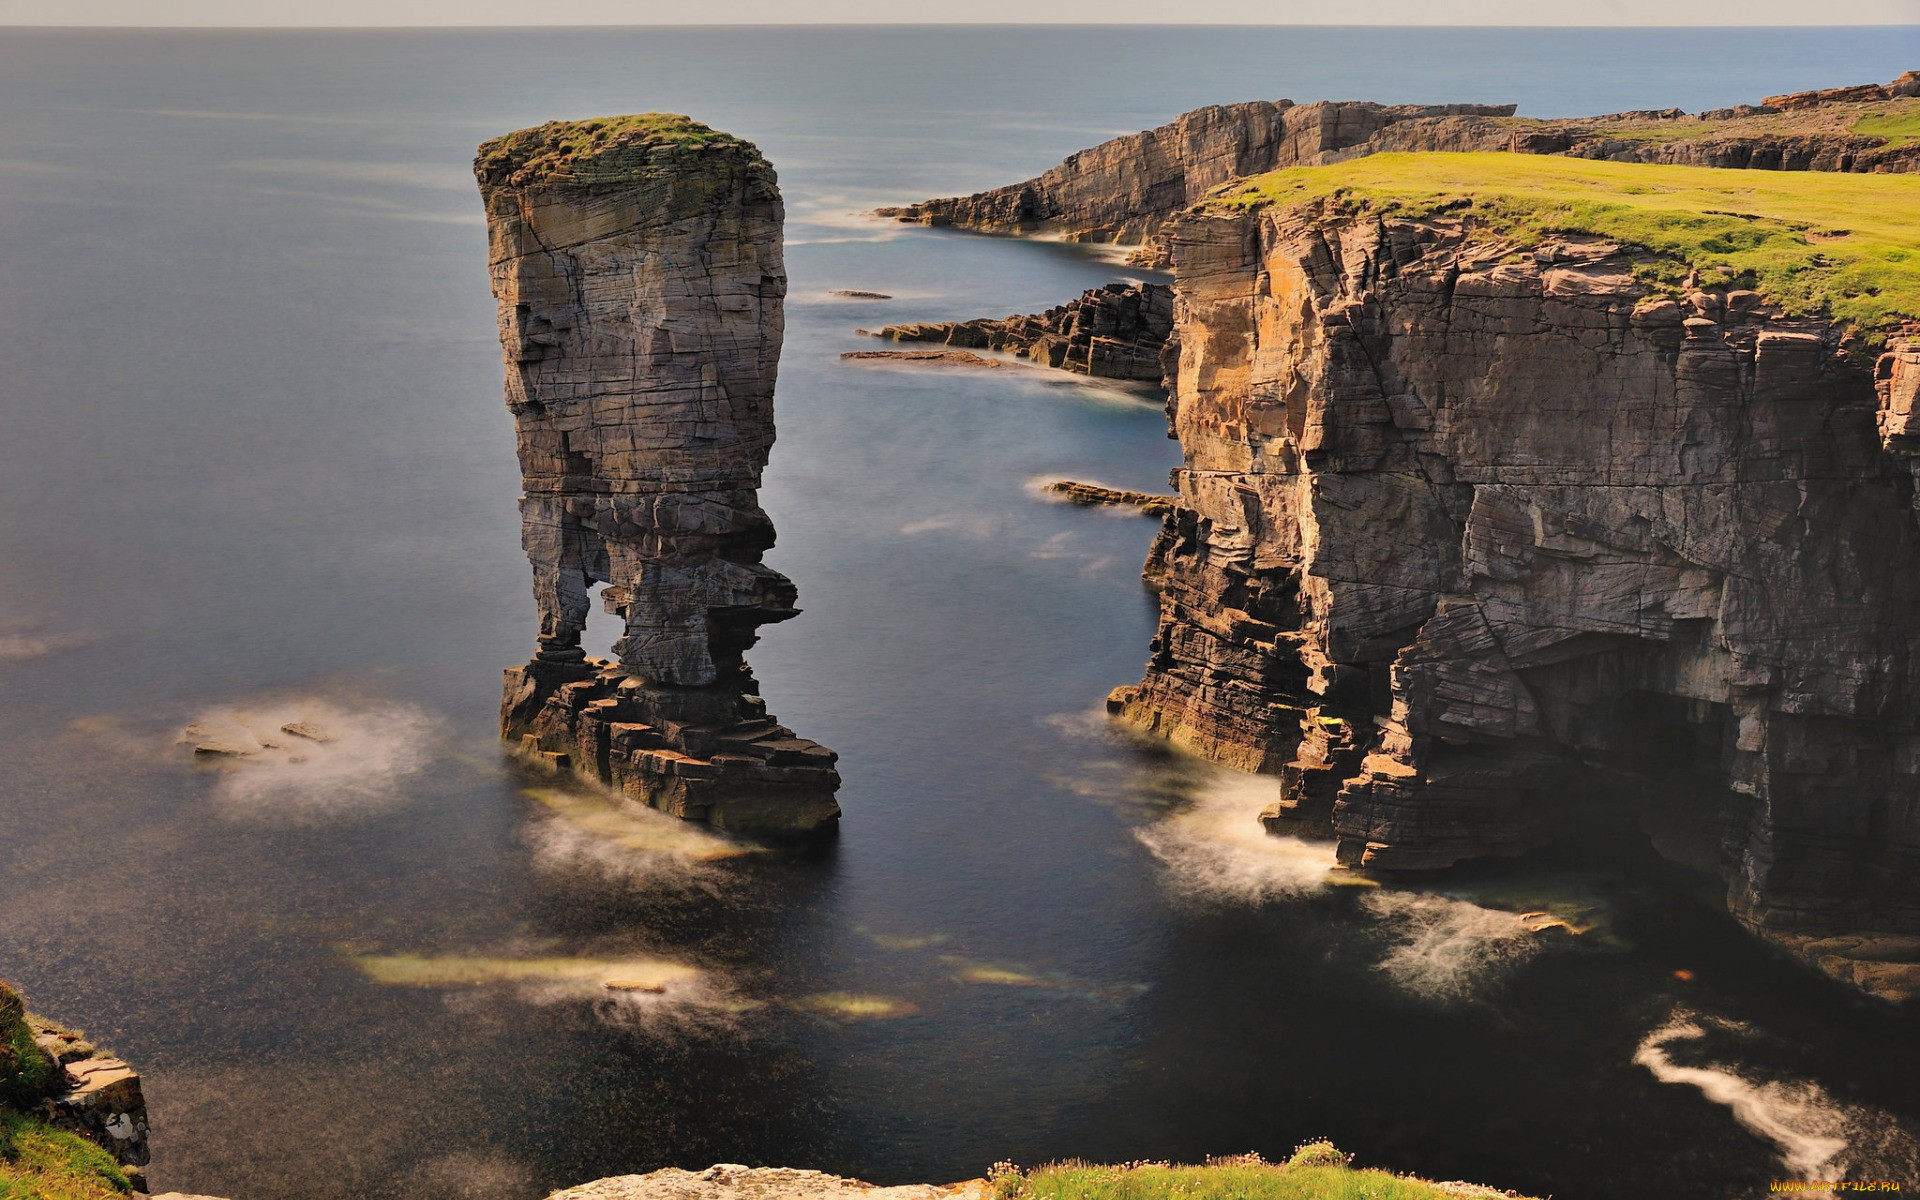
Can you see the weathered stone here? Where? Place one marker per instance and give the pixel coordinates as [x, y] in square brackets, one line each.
[1119, 331]
[638, 267]
[730, 1182]
[1467, 546]
[100, 1098]
[938, 358]
[1093, 493]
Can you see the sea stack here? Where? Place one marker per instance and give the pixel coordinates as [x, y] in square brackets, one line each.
[637, 262]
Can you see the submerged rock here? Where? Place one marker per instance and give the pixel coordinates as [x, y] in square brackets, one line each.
[638, 266]
[1477, 549]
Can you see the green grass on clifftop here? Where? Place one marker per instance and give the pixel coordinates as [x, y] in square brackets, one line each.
[38, 1162]
[1815, 242]
[600, 150]
[1316, 1171]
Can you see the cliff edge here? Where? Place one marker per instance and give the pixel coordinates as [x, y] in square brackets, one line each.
[638, 266]
[1491, 532]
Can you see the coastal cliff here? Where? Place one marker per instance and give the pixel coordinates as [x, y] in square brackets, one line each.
[1489, 535]
[638, 266]
[1123, 190]
[1126, 189]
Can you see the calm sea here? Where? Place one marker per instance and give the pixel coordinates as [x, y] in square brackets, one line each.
[254, 466]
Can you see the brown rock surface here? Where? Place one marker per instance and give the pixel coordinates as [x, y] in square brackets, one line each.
[1074, 492]
[99, 1097]
[727, 1181]
[1474, 546]
[1119, 331]
[638, 266]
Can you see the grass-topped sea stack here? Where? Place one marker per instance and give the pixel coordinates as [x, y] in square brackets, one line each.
[638, 266]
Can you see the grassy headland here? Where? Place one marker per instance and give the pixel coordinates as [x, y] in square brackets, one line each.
[38, 1162]
[1316, 1171]
[1815, 242]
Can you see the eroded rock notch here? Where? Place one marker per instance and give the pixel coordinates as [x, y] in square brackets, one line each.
[638, 266]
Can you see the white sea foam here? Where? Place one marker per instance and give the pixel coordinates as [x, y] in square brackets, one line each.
[308, 758]
[1444, 948]
[1804, 1123]
[1215, 848]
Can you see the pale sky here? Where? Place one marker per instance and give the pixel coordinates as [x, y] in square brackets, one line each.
[1106, 12]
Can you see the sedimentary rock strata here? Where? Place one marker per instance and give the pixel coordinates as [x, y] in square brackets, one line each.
[938, 358]
[1126, 189]
[1074, 492]
[1479, 545]
[1119, 331]
[638, 267]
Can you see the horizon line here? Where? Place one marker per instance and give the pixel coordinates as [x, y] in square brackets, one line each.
[1082, 26]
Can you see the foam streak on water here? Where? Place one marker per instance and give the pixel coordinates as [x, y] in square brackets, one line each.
[1800, 1119]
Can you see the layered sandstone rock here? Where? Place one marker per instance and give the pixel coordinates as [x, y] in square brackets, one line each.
[1119, 331]
[1126, 189]
[638, 267]
[1478, 548]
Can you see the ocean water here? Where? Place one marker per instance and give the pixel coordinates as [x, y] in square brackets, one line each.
[255, 469]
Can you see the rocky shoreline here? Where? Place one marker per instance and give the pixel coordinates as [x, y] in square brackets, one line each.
[1120, 331]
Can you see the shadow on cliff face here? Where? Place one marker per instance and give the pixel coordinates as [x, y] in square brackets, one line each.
[1817, 1137]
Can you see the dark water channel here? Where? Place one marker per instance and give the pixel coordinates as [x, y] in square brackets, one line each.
[254, 466]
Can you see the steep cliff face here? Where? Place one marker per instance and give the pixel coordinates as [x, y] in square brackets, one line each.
[1119, 331]
[638, 267]
[1480, 545]
[1123, 190]
[1126, 189]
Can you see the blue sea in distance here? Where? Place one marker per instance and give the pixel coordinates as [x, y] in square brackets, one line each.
[254, 466]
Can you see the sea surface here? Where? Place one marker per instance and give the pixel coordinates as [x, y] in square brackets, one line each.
[255, 468]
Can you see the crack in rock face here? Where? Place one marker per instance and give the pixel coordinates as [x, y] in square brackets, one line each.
[637, 262]
[1479, 549]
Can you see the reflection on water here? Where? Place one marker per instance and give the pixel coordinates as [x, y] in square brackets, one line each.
[257, 475]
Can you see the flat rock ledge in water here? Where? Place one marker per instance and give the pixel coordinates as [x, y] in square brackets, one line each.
[1119, 331]
[730, 1182]
[638, 266]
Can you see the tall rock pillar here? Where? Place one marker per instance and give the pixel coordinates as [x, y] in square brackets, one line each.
[637, 264]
